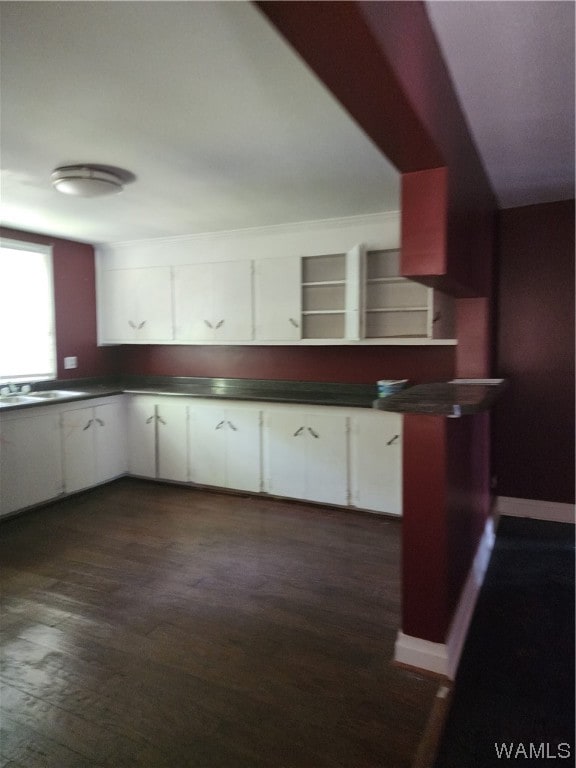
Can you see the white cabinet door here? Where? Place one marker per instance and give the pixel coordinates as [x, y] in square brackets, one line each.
[232, 300]
[306, 455]
[79, 449]
[172, 439]
[278, 299]
[285, 447]
[213, 302]
[376, 461]
[30, 460]
[142, 436]
[326, 457]
[243, 451]
[193, 316]
[110, 438]
[136, 305]
[93, 445]
[225, 447]
[207, 445]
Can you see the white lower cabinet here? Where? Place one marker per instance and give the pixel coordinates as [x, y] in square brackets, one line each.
[306, 454]
[30, 459]
[93, 445]
[376, 461]
[142, 436]
[326, 454]
[225, 447]
[157, 437]
[172, 439]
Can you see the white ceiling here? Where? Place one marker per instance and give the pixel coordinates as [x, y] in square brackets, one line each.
[512, 65]
[224, 127]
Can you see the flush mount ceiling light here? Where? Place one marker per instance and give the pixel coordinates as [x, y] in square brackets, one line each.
[86, 181]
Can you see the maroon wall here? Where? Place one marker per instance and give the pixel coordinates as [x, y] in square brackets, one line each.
[404, 34]
[350, 365]
[382, 62]
[446, 473]
[534, 422]
[75, 305]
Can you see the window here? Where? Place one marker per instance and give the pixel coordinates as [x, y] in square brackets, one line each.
[27, 337]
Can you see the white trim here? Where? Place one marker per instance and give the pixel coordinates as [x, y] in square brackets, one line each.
[552, 511]
[46, 250]
[385, 341]
[421, 654]
[312, 238]
[443, 658]
[362, 219]
[25, 245]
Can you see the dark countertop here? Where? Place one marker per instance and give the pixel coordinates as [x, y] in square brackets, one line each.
[296, 392]
[462, 397]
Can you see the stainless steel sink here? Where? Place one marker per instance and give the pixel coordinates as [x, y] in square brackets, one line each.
[55, 394]
[39, 397]
[16, 399]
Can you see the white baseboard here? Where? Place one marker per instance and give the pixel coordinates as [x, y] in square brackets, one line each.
[552, 511]
[443, 658]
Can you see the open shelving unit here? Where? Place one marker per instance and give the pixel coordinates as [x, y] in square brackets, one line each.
[394, 306]
[324, 296]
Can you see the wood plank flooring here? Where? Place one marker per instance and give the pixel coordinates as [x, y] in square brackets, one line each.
[155, 626]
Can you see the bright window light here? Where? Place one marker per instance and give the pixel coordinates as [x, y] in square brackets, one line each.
[27, 336]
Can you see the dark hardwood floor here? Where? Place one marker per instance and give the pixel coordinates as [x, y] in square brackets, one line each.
[152, 625]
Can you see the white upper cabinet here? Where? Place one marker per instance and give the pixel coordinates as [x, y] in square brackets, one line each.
[213, 302]
[136, 305]
[331, 282]
[278, 299]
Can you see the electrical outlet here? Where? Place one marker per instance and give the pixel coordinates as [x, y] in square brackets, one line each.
[70, 362]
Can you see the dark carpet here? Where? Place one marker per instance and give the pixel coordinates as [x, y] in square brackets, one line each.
[516, 681]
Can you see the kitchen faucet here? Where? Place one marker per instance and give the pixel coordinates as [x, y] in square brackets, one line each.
[13, 389]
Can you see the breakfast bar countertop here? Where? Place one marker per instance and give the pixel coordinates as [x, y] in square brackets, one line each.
[459, 397]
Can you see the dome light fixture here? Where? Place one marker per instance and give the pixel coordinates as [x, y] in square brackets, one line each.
[86, 181]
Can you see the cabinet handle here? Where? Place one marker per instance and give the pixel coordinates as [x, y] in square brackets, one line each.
[131, 324]
[220, 425]
[209, 324]
[88, 425]
[393, 440]
[232, 426]
[161, 420]
[219, 323]
[150, 419]
[437, 317]
[294, 323]
[142, 324]
[100, 421]
[298, 432]
[314, 434]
